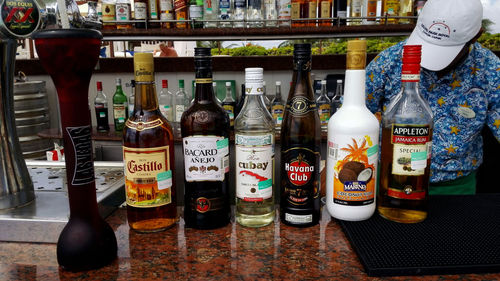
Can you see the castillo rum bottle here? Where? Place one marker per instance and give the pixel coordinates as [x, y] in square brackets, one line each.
[148, 154]
[353, 134]
[300, 147]
[205, 139]
[407, 126]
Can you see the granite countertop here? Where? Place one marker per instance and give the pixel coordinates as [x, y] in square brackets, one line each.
[274, 252]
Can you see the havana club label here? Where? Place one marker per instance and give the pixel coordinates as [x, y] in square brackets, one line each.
[206, 158]
[148, 176]
[300, 175]
[411, 150]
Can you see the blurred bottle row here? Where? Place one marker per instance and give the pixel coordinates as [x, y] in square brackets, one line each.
[126, 14]
[173, 105]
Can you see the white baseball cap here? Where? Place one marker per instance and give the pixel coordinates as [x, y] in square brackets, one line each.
[443, 28]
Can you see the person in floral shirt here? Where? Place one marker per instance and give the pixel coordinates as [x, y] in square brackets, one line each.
[461, 81]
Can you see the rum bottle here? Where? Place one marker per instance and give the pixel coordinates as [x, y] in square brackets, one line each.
[229, 103]
[205, 140]
[300, 147]
[181, 104]
[277, 108]
[140, 13]
[254, 139]
[390, 8]
[101, 109]
[325, 12]
[166, 101]
[120, 107]
[196, 13]
[323, 104]
[148, 155]
[153, 14]
[407, 126]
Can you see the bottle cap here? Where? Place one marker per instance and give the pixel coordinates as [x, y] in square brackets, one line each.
[356, 54]
[202, 52]
[228, 84]
[181, 83]
[99, 85]
[203, 65]
[143, 67]
[339, 81]
[412, 54]
[323, 82]
[164, 83]
[118, 81]
[410, 71]
[302, 50]
[254, 81]
[278, 83]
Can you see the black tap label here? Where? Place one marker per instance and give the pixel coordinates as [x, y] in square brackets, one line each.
[82, 147]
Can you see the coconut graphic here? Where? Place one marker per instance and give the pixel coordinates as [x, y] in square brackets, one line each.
[365, 175]
[355, 171]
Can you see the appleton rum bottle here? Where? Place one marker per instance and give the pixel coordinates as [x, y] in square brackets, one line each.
[300, 147]
[205, 139]
[406, 148]
[148, 154]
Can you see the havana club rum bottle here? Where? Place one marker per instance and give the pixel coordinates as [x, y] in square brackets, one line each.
[148, 154]
[205, 139]
[406, 148]
[300, 147]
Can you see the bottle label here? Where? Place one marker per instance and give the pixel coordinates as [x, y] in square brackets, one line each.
[82, 149]
[179, 109]
[411, 149]
[140, 10]
[166, 10]
[122, 12]
[295, 10]
[143, 71]
[206, 158]
[284, 11]
[166, 110]
[141, 126]
[312, 9]
[119, 112]
[354, 159]
[277, 111]
[254, 89]
[230, 111]
[254, 167]
[153, 10]
[195, 12]
[240, 4]
[300, 105]
[325, 9]
[148, 176]
[108, 13]
[324, 114]
[203, 80]
[203, 204]
[300, 170]
[102, 114]
[299, 219]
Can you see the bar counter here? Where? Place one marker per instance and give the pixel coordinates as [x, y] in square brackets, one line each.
[274, 252]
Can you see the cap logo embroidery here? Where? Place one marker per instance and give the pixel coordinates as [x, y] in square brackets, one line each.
[437, 30]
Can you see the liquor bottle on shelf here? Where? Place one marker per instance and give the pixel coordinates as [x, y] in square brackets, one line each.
[123, 14]
[370, 11]
[390, 8]
[300, 147]
[205, 140]
[311, 12]
[214, 86]
[148, 155]
[120, 107]
[240, 13]
[355, 12]
[341, 11]
[337, 98]
[277, 108]
[166, 100]
[325, 11]
[406, 9]
[225, 13]
[153, 13]
[140, 13]
[108, 8]
[166, 13]
[353, 135]
[181, 13]
[298, 8]
[255, 13]
[181, 104]
[323, 104]
[407, 126]
[284, 12]
[267, 102]
[101, 109]
[210, 12]
[239, 105]
[419, 4]
[270, 13]
[254, 139]
[229, 103]
[131, 97]
[196, 13]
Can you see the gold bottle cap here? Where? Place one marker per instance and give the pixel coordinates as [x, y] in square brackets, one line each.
[143, 67]
[356, 54]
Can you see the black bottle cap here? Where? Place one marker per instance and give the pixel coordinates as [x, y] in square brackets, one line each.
[302, 51]
[202, 52]
[203, 62]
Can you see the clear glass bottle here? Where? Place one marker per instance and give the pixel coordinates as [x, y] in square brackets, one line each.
[277, 108]
[196, 13]
[406, 9]
[267, 102]
[271, 13]
[240, 13]
[255, 13]
[210, 12]
[181, 104]
[407, 126]
[254, 139]
[166, 101]
[284, 12]
[337, 98]
[120, 107]
[355, 12]
[101, 109]
[323, 104]
[131, 97]
[214, 86]
[229, 103]
[225, 13]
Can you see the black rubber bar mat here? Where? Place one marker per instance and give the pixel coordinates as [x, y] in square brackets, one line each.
[460, 235]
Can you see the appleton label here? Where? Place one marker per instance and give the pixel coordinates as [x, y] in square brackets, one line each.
[148, 177]
[19, 18]
[205, 158]
[300, 105]
[141, 126]
[301, 167]
[82, 147]
[412, 144]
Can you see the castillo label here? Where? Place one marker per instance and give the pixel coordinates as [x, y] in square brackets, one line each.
[148, 176]
[300, 105]
[82, 147]
[301, 174]
[19, 18]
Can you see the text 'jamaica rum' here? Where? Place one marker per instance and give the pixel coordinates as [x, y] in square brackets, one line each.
[148, 154]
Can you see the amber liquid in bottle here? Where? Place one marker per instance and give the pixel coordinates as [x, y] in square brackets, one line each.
[149, 158]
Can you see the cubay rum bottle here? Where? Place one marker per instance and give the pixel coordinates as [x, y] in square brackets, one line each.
[300, 147]
[148, 155]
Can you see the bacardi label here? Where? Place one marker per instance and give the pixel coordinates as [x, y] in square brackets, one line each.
[412, 144]
[300, 175]
[148, 176]
[206, 158]
[254, 167]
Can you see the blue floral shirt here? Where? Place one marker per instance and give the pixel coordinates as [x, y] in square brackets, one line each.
[462, 101]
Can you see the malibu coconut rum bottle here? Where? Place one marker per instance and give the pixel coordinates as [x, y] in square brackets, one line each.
[353, 134]
[254, 138]
[406, 148]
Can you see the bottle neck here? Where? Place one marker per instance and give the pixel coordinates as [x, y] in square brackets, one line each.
[323, 90]
[229, 94]
[145, 97]
[204, 90]
[278, 92]
[354, 91]
[254, 96]
[301, 80]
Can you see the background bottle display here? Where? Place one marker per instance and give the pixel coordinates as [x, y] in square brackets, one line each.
[181, 13]
[325, 11]
[229, 103]
[196, 13]
[267, 102]
[406, 9]
[166, 12]
[341, 11]
[407, 127]
[300, 147]
[284, 12]
[353, 135]
[370, 10]
[108, 10]
[140, 13]
[355, 12]
[153, 13]
[166, 101]
[181, 104]
[131, 97]
[271, 12]
[123, 14]
[101, 109]
[312, 6]
[225, 13]
[239, 105]
[419, 4]
[120, 107]
[323, 104]
[205, 139]
[254, 139]
[210, 12]
[148, 141]
[390, 8]
[277, 108]
[240, 12]
[255, 13]
[336, 102]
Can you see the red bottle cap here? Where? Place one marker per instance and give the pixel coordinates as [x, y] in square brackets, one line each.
[164, 83]
[410, 71]
[99, 85]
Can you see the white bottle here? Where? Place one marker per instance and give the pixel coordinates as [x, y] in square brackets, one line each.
[353, 135]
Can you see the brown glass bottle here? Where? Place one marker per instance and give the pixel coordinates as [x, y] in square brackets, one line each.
[205, 139]
[140, 13]
[148, 154]
[300, 147]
